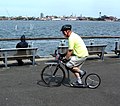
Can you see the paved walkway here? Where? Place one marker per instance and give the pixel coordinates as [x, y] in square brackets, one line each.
[18, 86]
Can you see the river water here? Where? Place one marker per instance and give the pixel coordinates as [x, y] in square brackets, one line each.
[14, 29]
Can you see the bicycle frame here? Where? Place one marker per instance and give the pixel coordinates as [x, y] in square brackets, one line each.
[58, 62]
[51, 73]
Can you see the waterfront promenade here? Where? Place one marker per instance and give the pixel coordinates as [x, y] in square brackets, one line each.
[19, 86]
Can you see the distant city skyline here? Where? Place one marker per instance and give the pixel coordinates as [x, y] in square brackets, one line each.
[90, 8]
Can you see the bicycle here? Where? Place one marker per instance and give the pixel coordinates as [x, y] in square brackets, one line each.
[53, 74]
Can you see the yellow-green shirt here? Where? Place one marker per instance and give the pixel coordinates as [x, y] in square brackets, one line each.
[77, 45]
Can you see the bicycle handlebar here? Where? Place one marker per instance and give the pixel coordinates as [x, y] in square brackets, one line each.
[60, 56]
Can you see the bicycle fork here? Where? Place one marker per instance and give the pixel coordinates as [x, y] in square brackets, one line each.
[55, 70]
[53, 74]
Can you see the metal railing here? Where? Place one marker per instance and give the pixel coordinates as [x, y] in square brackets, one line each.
[53, 38]
[47, 45]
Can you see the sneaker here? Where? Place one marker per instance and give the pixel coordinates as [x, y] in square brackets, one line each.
[76, 83]
[82, 75]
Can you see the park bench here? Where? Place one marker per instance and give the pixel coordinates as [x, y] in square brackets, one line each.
[18, 53]
[98, 49]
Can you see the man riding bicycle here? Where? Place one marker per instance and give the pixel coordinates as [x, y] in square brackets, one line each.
[76, 54]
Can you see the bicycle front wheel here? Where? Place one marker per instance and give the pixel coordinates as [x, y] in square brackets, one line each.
[92, 80]
[53, 75]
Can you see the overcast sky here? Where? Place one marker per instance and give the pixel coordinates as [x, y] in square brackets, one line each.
[60, 7]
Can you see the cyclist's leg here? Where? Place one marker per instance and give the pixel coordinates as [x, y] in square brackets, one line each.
[79, 64]
[75, 63]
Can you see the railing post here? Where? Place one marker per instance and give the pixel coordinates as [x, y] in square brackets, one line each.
[91, 41]
[62, 44]
[116, 44]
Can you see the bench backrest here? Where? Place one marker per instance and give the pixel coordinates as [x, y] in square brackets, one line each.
[96, 47]
[17, 51]
[99, 48]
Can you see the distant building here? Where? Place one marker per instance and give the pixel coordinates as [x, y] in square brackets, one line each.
[99, 14]
[56, 19]
[108, 18]
[41, 15]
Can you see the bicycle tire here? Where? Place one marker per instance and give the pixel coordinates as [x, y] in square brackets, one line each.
[53, 80]
[93, 80]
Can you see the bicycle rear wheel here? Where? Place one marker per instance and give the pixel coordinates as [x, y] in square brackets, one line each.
[92, 80]
[53, 75]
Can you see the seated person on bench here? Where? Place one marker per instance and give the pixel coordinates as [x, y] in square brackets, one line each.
[21, 44]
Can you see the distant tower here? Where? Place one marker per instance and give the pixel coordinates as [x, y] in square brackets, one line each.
[99, 14]
[80, 15]
[41, 15]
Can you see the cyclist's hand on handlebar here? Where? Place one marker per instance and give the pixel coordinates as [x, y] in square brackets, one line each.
[64, 60]
[62, 55]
